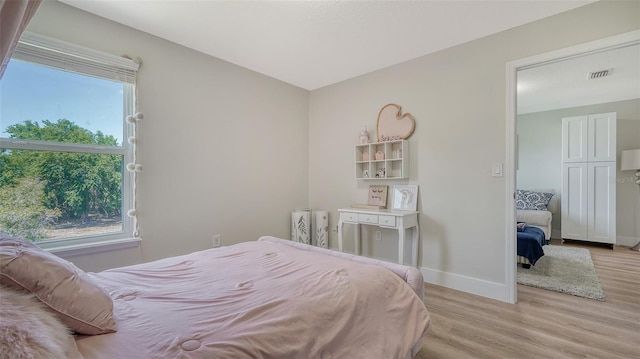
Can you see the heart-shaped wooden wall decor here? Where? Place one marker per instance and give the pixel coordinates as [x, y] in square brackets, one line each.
[393, 125]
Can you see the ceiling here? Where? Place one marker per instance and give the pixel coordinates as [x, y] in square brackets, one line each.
[312, 44]
[567, 83]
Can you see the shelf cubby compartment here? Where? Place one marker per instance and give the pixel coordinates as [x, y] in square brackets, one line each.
[394, 168]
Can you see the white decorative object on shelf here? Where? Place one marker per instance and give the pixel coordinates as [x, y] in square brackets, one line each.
[382, 160]
[364, 136]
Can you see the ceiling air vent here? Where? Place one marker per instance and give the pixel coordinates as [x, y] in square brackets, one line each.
[599, 74]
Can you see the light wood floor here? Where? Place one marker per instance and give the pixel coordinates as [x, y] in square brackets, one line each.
[543, 324]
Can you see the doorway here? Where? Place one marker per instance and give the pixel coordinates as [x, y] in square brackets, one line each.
[513, 69]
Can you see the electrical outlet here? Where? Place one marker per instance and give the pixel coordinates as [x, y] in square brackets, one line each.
[217, 241]
[378, 236]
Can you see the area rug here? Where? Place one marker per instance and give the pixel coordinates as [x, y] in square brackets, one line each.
[566, 270]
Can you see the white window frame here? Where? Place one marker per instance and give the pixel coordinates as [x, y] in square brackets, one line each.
[46, 51]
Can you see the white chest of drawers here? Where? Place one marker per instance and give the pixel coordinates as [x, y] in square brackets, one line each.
[383, 218]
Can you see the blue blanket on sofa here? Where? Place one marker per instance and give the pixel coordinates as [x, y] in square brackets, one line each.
[530, 242]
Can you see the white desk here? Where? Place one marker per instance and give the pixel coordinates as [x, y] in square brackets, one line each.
[383, 218]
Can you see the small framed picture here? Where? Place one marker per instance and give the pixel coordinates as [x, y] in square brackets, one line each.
[378, 196]
[405, 197]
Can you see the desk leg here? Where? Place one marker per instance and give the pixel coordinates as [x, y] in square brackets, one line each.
[340, 223]
[416, 239]
[401, 231]
[356, 238]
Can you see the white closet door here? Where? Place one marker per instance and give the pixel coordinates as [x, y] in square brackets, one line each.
[575, 139]
[602, 202]
[602, 137]
[574, 201]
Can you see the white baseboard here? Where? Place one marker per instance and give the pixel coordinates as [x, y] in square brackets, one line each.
[620, 240]
[462, 283]
[627, 241]
[486, 288]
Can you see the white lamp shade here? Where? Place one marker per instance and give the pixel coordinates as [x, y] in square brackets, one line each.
[630, 160]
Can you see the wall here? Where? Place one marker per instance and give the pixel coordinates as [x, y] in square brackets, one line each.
[540, 157]
[458, 98]
[224, 149]
[628, 192]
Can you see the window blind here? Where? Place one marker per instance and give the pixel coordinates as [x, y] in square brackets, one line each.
[73, 58]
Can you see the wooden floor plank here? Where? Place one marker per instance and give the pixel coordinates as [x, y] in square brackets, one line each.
[543, 324]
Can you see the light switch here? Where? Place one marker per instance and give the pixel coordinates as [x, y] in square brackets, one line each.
[497, 170]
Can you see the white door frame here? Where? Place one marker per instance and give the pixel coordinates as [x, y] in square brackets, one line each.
[622, 40]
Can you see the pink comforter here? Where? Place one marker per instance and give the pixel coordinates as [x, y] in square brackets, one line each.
[258, 300]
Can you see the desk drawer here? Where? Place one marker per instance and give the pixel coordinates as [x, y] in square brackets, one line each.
[368, 218]
[350, 217]
[388, 221]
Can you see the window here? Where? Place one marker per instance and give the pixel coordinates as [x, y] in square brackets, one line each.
[65, 144]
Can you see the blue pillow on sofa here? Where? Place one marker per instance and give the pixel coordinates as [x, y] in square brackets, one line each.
[532, 200]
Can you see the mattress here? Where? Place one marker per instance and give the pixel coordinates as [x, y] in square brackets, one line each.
[259, 299]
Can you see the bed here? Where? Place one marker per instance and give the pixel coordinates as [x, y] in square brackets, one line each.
[530, 242]
[270, 298]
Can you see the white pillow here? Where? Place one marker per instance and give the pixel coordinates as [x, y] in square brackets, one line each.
[532, 200]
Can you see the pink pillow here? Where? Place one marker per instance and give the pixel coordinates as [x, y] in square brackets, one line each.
[80, 304]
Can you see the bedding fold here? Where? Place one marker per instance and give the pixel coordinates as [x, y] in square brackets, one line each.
[530, 242]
